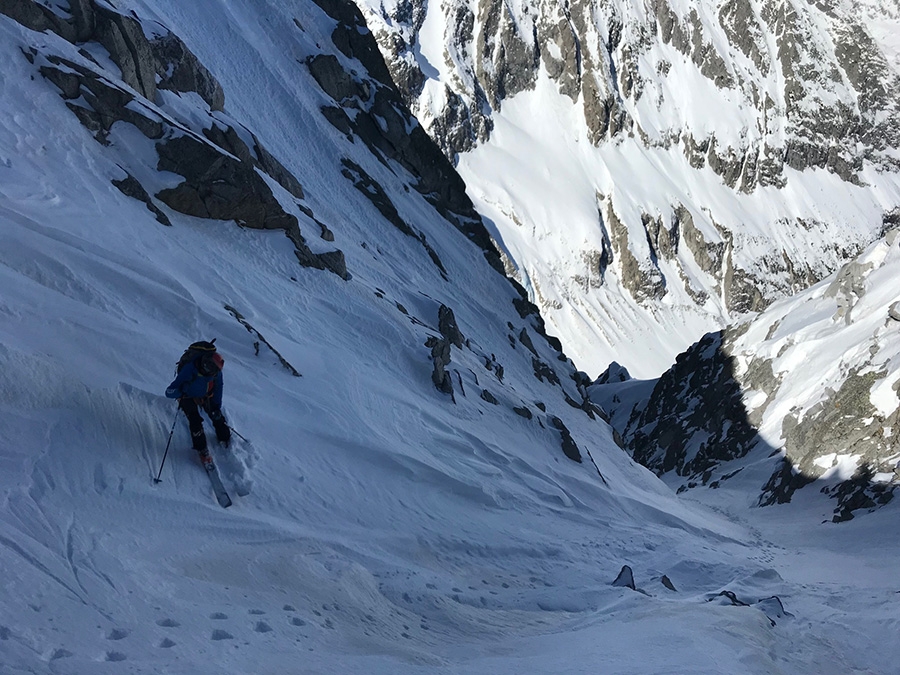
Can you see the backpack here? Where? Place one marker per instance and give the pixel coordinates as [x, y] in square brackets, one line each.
[204, 353]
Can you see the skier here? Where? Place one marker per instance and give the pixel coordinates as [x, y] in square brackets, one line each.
[198, 384]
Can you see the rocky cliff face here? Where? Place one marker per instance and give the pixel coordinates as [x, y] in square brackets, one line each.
[817, 87]
[803, 395]
[227, 174]
[743, 97]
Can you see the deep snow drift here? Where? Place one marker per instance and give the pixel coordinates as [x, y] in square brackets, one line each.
[386, 528]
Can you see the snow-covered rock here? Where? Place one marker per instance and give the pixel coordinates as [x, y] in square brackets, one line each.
[806, 392]
[659, 168]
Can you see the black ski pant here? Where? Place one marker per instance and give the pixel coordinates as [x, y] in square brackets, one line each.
[195, 422]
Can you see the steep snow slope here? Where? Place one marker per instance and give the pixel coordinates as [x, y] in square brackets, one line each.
[385, 527]
[658, 169]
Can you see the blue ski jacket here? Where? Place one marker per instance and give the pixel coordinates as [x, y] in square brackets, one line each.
[190, 383]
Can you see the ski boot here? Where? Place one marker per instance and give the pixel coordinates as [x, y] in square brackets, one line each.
[206, 459]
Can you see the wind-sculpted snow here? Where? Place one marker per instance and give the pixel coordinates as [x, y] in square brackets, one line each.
[770, 129]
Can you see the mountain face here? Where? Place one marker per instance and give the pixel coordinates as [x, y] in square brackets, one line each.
[420, 481]
[805, 393]
[815, 84]
[686, 162]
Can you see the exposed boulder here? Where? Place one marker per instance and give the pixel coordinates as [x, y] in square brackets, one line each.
[625, 578]
[543, 371]
[525, 339]
[773, 608]
[523, 411]
[489, 397]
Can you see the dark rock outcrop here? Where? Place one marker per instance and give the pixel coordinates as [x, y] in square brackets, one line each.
[569, 447]
[844, 419]
[440, 359]
[180, 70]
[625, 578]
[106, 102]
[222, 187]
[448, 328]
[220, 182]
[219, 187]
[489, 397]
[131, 187]
[695, 417]
[139, 59]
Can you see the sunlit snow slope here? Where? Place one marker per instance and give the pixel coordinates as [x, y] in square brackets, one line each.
[657, 169]
[379, 525]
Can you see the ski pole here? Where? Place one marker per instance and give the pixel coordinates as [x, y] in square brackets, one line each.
[168, 443]
[237, 434]
[230, 428]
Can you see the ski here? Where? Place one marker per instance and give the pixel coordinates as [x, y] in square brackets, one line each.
[219, 489]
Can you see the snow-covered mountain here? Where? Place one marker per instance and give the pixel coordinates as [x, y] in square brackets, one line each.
[804, 394]
[425, 488]
[656, 169]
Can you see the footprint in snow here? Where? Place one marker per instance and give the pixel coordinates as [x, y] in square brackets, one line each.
[115, 656]
[297, 621]
[262, 627]
[60, 654]
[218, 616]
[221, 635]
[117, 634]
[166, 643]
[168, 623]
[100, 482]
[257, 612]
